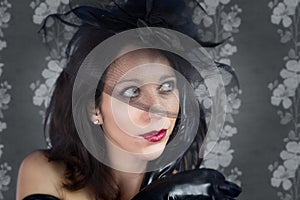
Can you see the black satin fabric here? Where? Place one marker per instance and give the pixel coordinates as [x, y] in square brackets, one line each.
[200, 184]
[41, 197]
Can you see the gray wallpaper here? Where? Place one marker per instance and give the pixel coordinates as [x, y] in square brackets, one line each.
[260, 144]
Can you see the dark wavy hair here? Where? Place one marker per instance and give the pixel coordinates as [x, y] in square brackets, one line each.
[81, 168]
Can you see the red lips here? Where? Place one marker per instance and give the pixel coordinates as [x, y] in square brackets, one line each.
[155, 136]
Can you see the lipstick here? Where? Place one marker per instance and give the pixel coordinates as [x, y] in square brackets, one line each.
[155, 136]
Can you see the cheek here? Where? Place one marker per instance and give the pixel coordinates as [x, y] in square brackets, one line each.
[173, 105]
[119, 116]
[115, 113]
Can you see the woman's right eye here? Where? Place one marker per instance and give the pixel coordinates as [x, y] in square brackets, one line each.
[130, 92]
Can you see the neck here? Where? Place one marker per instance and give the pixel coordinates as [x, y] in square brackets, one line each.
[128, 170]
[125, 161]
[129, 183]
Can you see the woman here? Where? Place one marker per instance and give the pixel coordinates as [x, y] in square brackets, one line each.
[136, 133]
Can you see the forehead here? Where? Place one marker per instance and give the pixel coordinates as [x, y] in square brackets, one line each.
[141, 64]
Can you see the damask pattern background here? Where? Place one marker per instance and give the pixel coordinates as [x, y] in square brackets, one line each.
[259, 147]
[286, 94]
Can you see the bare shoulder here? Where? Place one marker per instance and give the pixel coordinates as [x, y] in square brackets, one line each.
[38, 175]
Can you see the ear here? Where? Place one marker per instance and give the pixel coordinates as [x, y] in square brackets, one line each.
[97, 117]
[94, 115]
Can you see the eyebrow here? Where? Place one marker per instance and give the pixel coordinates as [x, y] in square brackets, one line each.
[138, 81]
[129, 80]
[166, 77]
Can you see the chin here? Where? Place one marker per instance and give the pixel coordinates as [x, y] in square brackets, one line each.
[152, 152]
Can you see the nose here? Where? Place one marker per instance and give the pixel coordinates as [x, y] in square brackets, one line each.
[153, 105]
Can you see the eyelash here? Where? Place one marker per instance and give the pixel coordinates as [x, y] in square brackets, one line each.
[134, 89]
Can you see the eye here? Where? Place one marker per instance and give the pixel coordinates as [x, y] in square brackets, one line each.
[130, 92]
[167, 86]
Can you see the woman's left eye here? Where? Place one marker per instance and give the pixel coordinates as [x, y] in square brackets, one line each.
[167, 86]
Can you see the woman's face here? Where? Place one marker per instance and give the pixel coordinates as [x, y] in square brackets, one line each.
[140, 103]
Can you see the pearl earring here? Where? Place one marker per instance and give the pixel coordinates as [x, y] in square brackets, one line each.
[96, 122]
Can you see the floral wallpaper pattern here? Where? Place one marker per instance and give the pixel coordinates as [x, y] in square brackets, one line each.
[220, 23]
[286, 97]
[5, 97]
[55, 61]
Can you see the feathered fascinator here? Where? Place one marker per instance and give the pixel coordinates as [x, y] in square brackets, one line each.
[116, 17]
[112, 17]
